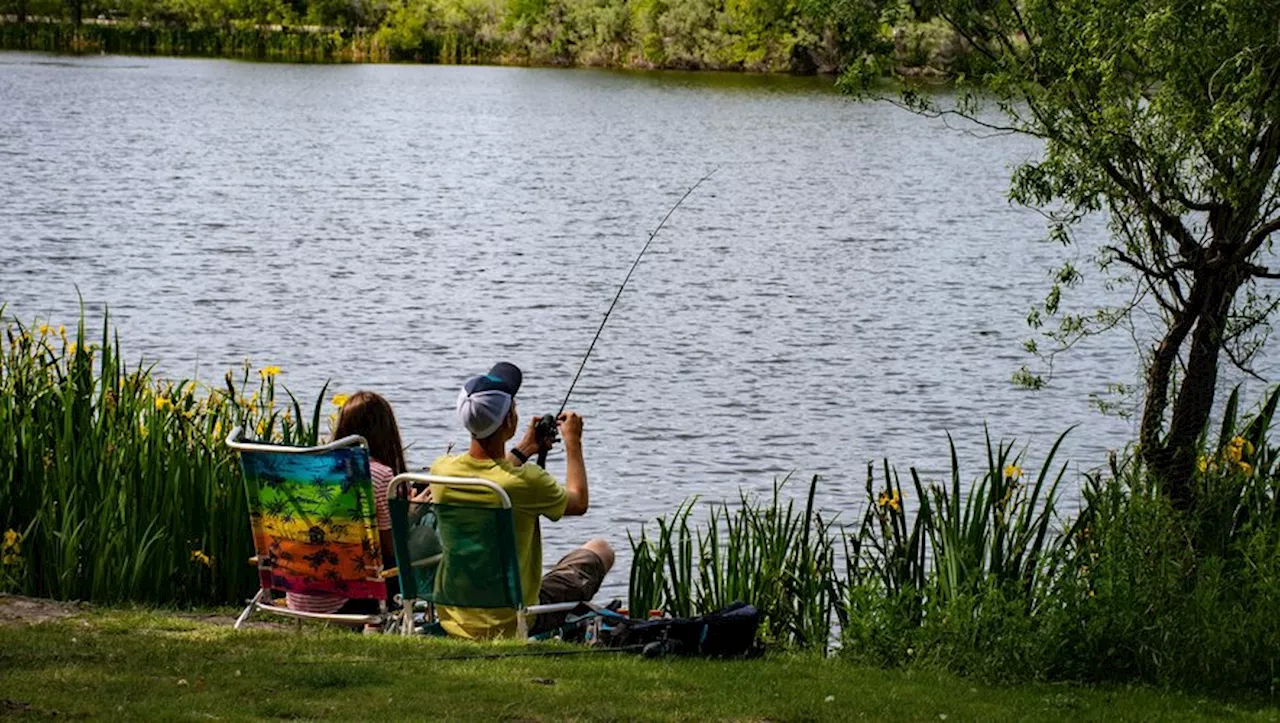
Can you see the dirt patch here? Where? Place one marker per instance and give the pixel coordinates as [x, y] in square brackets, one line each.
[19, 610]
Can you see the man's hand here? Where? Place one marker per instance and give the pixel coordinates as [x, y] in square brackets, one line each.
[529, 442]
[570, 424]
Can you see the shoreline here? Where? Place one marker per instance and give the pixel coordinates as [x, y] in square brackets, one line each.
[335, 45]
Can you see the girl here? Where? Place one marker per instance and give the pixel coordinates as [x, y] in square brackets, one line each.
[370, 416]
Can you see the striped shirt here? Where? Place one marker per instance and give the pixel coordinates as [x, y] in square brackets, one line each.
[381, 476]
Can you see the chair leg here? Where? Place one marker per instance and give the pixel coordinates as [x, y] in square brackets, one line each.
[406, 612]
[252, 606]
[522, 625]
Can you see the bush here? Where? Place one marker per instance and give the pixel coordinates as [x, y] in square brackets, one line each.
[114, 483]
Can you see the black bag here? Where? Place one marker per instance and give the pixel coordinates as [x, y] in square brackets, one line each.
[723, 633]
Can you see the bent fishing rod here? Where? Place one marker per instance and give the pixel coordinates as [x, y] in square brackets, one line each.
[546, 426]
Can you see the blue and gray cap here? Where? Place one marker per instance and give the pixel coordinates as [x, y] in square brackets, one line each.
[485, 400]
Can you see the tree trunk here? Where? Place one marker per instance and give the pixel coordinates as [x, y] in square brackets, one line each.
[1172, 456]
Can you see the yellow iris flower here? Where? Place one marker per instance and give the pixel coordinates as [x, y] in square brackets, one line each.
[163, 403]
[339, 400]
[268, 372]
[200, 557]
[1012, 471]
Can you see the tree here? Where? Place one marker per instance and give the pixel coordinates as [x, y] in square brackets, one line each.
[1165, 116]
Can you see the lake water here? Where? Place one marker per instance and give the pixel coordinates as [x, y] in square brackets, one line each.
[850, 284]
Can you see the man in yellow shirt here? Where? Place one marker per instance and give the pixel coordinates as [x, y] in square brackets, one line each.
[487, 408]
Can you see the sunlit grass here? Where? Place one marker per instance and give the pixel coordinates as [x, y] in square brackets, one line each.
[155, 665]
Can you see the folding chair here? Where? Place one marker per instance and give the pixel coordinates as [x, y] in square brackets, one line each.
[477, 565]
[314, 525]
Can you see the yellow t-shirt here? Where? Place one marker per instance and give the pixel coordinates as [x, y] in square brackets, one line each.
[533, 492]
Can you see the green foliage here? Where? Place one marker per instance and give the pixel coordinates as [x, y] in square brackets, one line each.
[1131, 589]
[986, 579]
[116, 484]
[760, 35]
[774, 556]
[1163, 115]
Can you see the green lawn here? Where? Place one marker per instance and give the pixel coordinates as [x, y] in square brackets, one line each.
[156, 665]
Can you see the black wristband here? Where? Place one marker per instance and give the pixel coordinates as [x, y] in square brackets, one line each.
[515, 452]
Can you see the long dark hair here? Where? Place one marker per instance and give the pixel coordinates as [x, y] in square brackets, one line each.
[370, 416]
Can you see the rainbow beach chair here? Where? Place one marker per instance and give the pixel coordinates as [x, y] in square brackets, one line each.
[314, 526]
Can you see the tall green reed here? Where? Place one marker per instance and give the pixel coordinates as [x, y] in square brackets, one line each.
[115, 483]
[996, 530]
[778, 557]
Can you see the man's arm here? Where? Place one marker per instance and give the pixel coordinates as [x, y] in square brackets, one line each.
[575, 478]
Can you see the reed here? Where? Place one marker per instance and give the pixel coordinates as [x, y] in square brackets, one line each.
[778, 557]
[115, 484]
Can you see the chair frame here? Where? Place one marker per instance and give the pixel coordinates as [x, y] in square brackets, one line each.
[404, 482]
[261, 600]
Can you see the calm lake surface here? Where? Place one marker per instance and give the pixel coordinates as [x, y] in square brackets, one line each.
[851, 284]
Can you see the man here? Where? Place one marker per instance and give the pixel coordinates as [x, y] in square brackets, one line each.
[487, 408]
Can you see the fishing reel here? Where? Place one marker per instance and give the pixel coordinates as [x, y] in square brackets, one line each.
[548, 431]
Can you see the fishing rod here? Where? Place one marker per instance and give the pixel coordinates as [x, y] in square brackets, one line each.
[546, 426]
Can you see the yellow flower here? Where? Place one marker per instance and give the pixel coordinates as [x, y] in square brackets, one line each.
[200, 557]
[1012, 471]
[12, 540]
[895, 502]
[883, 499]
[163, 403]
[44, 330]
[71, 348]
[1238, 448]
[1202, 464]
[262, 427]
[268, 372]
[62, 331]
[9, 559]
[339, 400]
[1246, 469]
[890, 500]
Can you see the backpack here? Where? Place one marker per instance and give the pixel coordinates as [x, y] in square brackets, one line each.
[729, 632]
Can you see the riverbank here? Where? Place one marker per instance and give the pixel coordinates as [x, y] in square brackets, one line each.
[147, 664]
[911, 49]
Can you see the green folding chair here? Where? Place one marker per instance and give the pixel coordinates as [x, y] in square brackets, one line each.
[476, 565]
[314, 525]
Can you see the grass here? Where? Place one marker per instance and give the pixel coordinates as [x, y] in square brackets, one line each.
[156, 665]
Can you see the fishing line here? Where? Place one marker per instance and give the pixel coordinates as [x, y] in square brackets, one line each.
[618, 295]
[546, 426]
